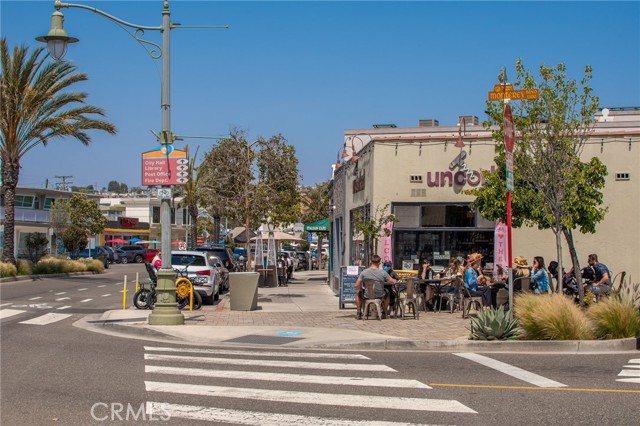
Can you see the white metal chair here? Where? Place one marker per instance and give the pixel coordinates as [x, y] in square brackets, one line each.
[408, 300]
[370, 286]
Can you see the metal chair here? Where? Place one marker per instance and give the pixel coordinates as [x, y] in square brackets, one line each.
[408, 299]
[370, 286]
[621, 274]
[454, 299]
[468, 300]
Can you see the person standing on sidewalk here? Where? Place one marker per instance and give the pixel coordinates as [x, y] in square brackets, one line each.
[374, 272]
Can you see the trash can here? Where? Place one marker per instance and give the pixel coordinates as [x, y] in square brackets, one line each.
[243, 291]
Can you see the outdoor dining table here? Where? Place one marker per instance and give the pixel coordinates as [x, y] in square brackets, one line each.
[437, 284]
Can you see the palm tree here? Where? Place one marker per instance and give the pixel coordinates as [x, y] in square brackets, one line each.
[35, 109]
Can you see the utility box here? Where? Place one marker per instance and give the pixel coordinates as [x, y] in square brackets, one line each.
[243, 291]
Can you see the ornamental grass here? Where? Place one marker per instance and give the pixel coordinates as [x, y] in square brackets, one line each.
[614, 318]
[551, 317]
[25, 267]
[8, 270]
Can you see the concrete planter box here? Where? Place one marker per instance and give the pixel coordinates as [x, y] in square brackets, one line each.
[243, 291]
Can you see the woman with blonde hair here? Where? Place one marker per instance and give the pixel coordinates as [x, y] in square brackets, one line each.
[520, 270]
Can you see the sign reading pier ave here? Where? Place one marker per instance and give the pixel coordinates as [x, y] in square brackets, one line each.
[164, 166]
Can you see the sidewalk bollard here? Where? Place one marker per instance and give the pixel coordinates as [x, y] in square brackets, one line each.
[124, 294]
[137, 273]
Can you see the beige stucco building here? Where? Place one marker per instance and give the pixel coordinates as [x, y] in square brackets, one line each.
[420, 174]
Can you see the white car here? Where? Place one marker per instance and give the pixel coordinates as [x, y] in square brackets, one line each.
[202, 274]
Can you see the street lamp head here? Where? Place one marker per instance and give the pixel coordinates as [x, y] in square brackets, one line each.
[57, 38]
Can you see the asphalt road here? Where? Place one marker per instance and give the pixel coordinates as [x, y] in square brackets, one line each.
[58, 374]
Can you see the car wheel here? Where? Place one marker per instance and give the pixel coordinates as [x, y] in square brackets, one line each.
[138, 259]
[125, 260]
[106, 265]
[208, 300]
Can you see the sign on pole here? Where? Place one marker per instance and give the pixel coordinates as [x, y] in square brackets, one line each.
[509, 164]
[164, 166]
[509, 129]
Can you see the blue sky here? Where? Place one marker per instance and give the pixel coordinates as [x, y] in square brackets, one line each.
[309, 70]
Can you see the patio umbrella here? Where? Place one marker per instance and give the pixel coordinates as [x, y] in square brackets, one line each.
[154, 242]
[279, 236]
[116, 241]
[135, 240]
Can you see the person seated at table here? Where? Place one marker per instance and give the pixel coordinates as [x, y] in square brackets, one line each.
[539, 276]
[380, 276]
[474, 283]
[388, 267]
[426, 273]
[521, 270]
[601, 284]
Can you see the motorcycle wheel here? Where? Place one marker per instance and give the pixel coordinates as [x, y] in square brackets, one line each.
[143, 299]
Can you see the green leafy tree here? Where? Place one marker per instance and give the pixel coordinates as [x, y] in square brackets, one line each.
[124, 189]
[247, 181]
[84, 213]
[113, 186]
[59, 218]
[36, 108]
[315, 202]
[551, 183]
[372, 228]
[74, 239]
[36, 244]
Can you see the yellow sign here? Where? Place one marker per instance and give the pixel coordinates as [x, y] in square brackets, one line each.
[502, 87]
[500, 94]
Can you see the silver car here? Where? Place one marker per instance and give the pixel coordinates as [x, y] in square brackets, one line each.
[203, 275]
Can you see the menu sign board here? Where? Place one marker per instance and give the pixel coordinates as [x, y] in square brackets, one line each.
[348, 277]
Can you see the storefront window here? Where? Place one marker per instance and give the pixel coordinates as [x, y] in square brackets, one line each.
[446, 216]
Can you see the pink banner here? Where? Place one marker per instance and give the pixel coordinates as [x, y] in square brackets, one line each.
[500, 247]
[387, 252]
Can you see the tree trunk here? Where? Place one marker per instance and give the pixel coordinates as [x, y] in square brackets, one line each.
[216, 229]
[559, 253]
[193, 213]
[568, 235]
[10, 173]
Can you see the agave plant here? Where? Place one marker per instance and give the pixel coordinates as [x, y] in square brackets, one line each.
[494, 324]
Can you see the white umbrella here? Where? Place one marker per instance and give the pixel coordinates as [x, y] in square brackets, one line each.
[279, 236]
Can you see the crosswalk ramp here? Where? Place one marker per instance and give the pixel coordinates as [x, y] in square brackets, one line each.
[38, 319]
[263, 377]
[630, 372]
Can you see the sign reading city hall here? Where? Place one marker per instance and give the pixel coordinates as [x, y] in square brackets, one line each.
[164, 166]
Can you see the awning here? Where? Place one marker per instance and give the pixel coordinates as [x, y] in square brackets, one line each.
[319, 226]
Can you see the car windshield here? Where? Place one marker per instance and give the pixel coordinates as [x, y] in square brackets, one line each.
[187, 259]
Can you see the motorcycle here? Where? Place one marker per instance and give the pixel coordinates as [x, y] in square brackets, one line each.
[146, 296]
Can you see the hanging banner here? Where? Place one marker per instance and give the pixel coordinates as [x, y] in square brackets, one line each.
[500, 247]
[385, 242]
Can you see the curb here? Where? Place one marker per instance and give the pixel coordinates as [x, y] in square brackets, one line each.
[40, 277]
[545, 346]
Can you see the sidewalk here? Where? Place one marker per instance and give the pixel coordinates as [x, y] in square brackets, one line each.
[306, 315]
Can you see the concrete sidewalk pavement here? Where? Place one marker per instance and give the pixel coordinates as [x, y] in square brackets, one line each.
[306, 314]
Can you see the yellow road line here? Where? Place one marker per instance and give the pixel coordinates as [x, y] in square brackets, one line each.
[454, 385]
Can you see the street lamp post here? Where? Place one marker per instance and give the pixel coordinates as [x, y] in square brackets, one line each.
[166, 312]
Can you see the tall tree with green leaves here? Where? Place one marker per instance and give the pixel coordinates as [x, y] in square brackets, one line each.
[85, 214]
[372, 227]
[550, 181]
[36, 107]
[315, 202]
[60, 220]
[248, 181]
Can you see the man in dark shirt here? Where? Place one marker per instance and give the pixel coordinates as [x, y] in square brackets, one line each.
[602, 282]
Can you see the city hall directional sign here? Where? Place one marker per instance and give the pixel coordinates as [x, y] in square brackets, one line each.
[164, 166]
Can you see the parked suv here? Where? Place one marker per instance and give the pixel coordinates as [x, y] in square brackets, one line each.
[201, 272]
[221, 252]
[98, 253]
[134, 253]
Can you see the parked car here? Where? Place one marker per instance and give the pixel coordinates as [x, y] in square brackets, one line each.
[303, 260]
[96, 253]
[224, 272]
[223, 253]
[151, 253]
[134, 253]
[200, 271]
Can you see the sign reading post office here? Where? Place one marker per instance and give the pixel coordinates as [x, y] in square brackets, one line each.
[164, 166]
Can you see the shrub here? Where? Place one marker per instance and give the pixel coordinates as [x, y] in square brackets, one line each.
[8, 270]
[614, 318]
[494, 324]
[92, 265]
[24, 267]
[631, 292]
[49, 265]
[551, 317]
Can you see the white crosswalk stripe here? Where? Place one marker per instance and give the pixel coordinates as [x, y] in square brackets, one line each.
[631, 372]
[210, 367]
[6, 313]
[46, 319]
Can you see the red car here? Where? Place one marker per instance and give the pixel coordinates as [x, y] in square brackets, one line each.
[151, 253]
